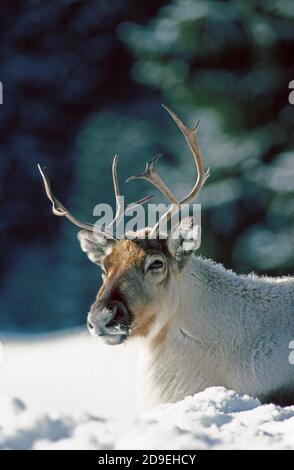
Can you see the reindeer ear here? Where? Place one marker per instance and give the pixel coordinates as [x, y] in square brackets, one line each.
[96, 246]
[184, 240]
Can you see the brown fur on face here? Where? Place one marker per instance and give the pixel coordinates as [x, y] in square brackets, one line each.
[125, 255]
[124, 274]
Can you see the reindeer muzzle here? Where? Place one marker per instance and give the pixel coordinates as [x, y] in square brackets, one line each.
[112, 323]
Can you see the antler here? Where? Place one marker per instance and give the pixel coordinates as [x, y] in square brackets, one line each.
[152, 176]
[190, 136]
[61, 211]
[121, 208]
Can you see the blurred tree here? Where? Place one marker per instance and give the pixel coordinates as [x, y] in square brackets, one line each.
[83, 80]
[229, 63]
[60, 61]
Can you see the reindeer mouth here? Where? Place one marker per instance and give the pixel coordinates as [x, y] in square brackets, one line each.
[114, 339]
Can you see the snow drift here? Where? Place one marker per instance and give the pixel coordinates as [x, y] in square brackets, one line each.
[73, 374]
[214, 419]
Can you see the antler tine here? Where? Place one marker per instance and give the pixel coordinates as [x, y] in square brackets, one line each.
[202, 176]
[150, 174]
[61, 211]
[190, 137]
[120, 207]
[114, 177]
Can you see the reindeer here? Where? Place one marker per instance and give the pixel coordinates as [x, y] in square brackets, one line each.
[201, 324]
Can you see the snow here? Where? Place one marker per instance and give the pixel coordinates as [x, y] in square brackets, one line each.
[70, 373]
[73, 392]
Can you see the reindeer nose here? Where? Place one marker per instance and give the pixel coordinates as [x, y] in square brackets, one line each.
[110, 320]
[117, 314]
[92, 325]
[101, 319]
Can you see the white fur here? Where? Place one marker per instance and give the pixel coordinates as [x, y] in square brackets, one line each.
[227, 330]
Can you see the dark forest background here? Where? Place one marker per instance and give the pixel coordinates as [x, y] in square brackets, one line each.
[83, 80]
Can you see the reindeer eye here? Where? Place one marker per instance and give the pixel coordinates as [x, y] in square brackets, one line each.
[157, 264]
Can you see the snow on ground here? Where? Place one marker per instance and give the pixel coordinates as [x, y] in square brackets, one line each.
[75, 393]
[69, 373]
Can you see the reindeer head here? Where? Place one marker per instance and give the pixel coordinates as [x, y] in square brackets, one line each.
[140, 273]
